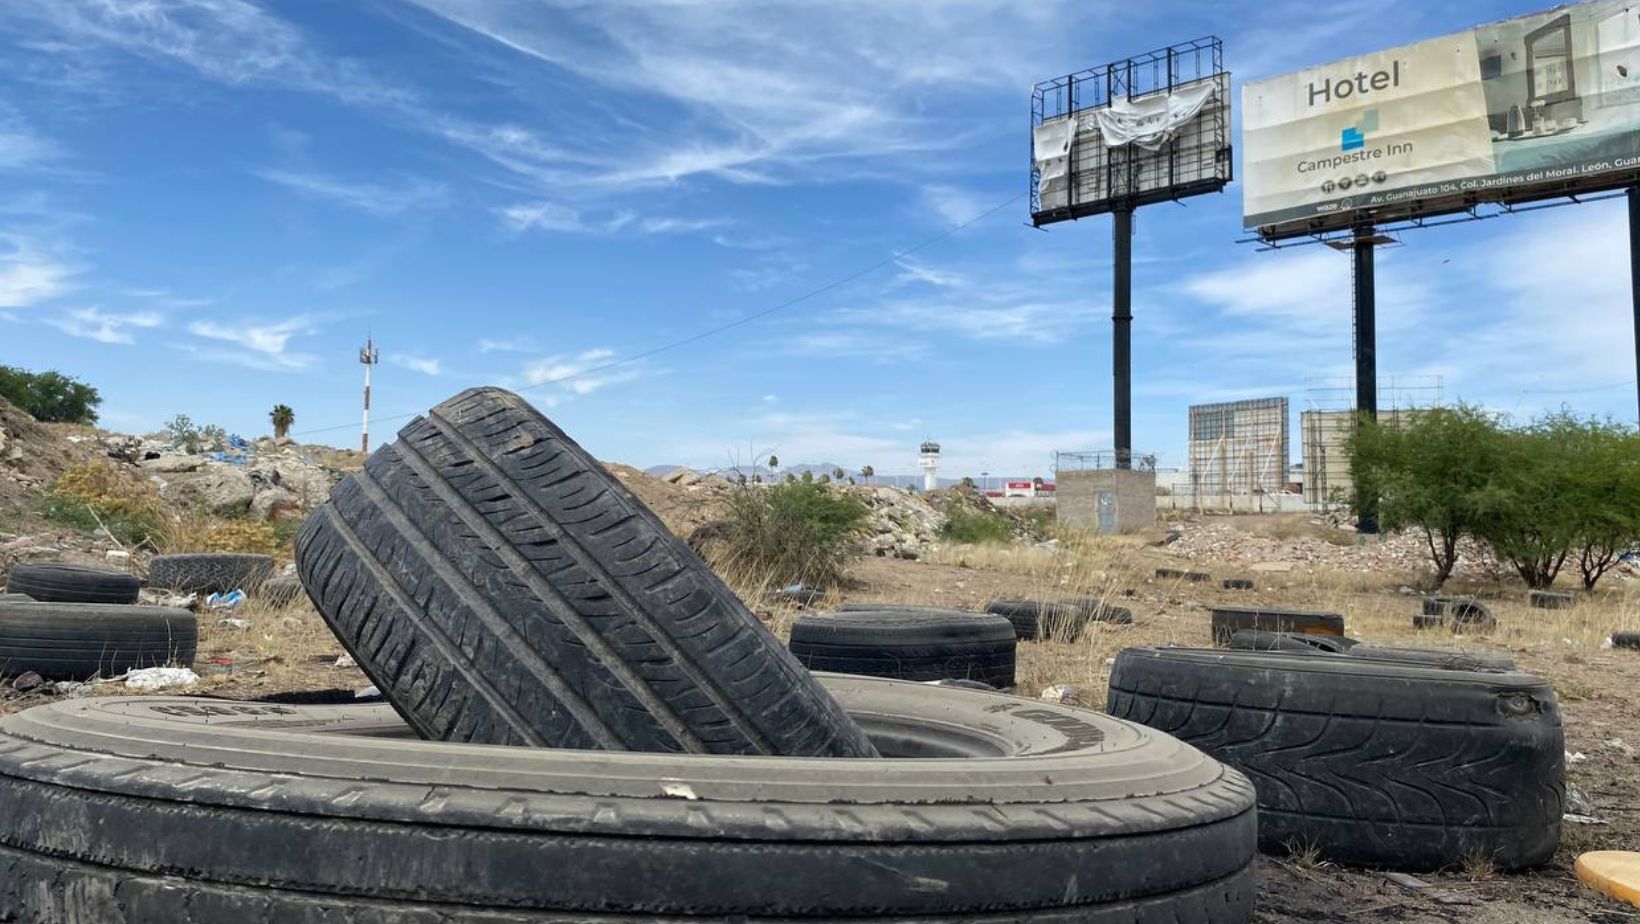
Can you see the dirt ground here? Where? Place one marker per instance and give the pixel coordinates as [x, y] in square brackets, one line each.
[290, 655]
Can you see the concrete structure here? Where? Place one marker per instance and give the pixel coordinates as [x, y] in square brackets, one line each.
[1328, 484]
[1238, 453]
[1106, 500]
[928, 459]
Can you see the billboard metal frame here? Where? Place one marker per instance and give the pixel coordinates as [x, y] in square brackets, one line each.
[1165, 70]
[1161, 71]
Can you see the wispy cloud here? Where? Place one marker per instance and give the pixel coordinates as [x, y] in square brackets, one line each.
[558, 217]
[105, 327]
[914, 271]
[423, 364]
[553, 378]
[21, 146]
[254, 343]
[952, 205]
[30, 273]
[520, 345]
[376, 198]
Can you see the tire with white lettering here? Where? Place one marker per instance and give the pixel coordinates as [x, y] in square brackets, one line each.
[78, 641]
[1037, 813]
[1371, 763]
[499, 586]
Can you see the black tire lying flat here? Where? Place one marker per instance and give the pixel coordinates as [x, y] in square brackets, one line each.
[1625, 640]
[1375, 763]
[1260, 640]
[908, 644]
[499, 586]
[280, 591]
[1040, 814]
[1063, 620]
[1228, 620]
[50, 582]
[210, 572]
[76, 641]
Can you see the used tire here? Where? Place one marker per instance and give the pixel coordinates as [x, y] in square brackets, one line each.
[1457, 659]
[907, 644]
[1228, 620]
[1260, 640]
[1625, 639]
[52, 582]
[1062, 620]
[1374, 763]
[210, 573]
[1428, 621]
[76, 641]
[499, 586]
[1551, 600]
[1039, 814]
[280, 591]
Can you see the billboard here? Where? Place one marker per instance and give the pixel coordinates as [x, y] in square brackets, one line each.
[1239, 447]
[1146, 129]
[1527, 108]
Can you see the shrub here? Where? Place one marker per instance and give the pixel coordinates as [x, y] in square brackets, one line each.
[975, 526]
[799, 531]
[50, 397]
[99, 493]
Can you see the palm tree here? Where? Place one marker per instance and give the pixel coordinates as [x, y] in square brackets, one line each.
[282, 417]
[866, 472]
[837, 474]
[774, 463]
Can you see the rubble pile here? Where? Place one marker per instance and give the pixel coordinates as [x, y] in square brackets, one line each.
[1229, 543]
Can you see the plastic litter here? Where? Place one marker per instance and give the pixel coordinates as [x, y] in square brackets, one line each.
[1062, 693]
[228, 601]
[233, 623]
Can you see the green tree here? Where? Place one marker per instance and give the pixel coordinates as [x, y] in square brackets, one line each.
[866, 472]
[837, 474]
[282, 418]
[50, 397]
[774, 463]
[1432, 471]
[793, 532]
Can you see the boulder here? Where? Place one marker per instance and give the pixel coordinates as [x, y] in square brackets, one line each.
[224, 489]
[274, 504]
[173, 464]
[309, 484]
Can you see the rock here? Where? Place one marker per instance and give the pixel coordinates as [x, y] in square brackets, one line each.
[275, 504]
[118, 556]
[1062, 693]
[346, 660]
[225, 489]
[309, 484]
[173, 464]
[27, 681]
[160, 678]
[123, 448]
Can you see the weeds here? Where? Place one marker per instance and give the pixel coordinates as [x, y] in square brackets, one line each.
[973, 526]
[98, 494]
[798, 531]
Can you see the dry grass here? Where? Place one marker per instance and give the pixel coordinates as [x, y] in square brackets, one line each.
[286, 648]
[195, 531]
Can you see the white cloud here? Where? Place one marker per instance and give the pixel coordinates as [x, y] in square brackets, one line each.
[104, 327]
[375, 198]
[29, 274]
[541, 216]
[20, 146]
[422, 364]
[520, 345]
[914, 271]
[559, 369]
[952, 205]
[261, 345]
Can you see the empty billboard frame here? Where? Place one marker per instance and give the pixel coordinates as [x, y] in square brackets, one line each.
[1146, 129]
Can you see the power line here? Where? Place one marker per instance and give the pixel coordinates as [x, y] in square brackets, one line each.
[739, 322]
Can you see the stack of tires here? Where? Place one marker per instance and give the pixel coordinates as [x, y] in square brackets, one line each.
[501, 588]
[72, 622]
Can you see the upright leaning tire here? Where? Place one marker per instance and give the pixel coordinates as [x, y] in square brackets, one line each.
[52, 582]
[909, 644]
[499, 586]
[280, 591]
[1037, 814]
[210, 572]
[1375, 763]
[76, 641]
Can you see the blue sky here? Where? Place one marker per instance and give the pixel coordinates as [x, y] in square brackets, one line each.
[206, 204]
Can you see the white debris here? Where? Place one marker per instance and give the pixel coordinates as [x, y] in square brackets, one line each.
[679, 791]
[1576, 758]
[346, 660]
[160, 678]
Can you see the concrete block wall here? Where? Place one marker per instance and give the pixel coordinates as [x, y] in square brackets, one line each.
[1078, 497]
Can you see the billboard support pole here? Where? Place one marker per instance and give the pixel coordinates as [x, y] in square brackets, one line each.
[1121, 317]
[1634, 271]
[1366, 358]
